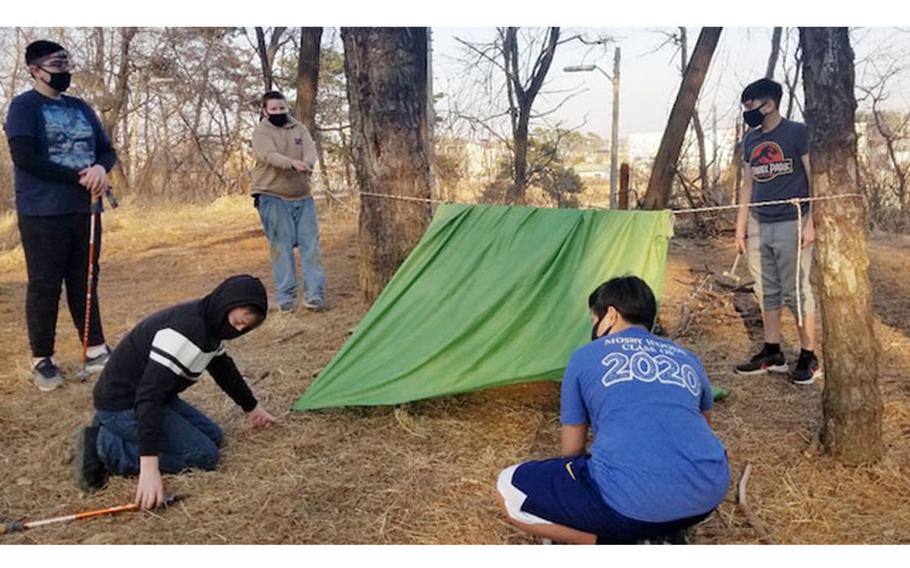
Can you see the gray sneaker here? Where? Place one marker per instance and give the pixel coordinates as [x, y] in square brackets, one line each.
[96, 364]
[47, 375]
[314, 305]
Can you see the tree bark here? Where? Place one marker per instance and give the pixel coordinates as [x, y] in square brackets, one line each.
[307, 90]
[308, 76]
[775, 52]
[386, 72]
[664, 170]
[851, 400]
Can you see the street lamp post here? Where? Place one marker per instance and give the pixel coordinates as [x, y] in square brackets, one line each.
[614, 134]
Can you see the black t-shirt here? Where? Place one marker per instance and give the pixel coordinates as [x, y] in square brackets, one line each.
[775, 159]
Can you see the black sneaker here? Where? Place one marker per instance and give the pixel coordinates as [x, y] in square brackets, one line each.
[763, 362]
[47, 376]
[90, 472]
[806, 370]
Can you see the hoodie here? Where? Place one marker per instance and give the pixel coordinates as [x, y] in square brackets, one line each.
[167, 352]
[274, 148]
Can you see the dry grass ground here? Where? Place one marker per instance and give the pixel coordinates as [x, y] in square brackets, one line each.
[423, 472]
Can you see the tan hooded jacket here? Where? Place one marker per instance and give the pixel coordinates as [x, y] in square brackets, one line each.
[274, 149]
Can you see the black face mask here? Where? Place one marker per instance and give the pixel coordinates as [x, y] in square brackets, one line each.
[279, 119]
[226, 331]
[753, 117]
[594, 329]
[59, 81]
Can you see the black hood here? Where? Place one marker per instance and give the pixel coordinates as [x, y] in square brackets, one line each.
[241, 290]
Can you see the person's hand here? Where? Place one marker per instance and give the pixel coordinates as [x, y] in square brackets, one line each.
[94, 179]
[741, 241]
[808, 234]
[260, 418]
[150, 489]
[301, 166]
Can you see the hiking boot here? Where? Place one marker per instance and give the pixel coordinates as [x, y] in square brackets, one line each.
[763, 362]
[806, 370]
[91, 474]
[47, 375]
[95, 365]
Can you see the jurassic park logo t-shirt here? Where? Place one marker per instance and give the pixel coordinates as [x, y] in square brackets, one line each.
[777, 169]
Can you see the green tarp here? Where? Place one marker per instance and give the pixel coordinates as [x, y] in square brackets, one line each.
[490, 296]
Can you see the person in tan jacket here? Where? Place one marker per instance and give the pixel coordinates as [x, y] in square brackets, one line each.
[285, 155]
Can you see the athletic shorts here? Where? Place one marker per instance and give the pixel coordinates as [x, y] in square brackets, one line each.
[771, 251]
[560, 491]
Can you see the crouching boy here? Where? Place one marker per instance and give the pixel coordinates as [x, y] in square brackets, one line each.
[141, 426]
[654, 467]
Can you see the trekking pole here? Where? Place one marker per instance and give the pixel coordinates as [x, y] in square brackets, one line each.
[17, 526]
[90, 280]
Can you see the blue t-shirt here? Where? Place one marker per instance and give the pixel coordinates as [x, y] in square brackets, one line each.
[67, 132]
[654, 456]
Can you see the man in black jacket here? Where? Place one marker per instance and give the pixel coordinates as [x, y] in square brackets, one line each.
[61, 157]
[140, 425]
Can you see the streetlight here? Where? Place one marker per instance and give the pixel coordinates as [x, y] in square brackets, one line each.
[614, 135]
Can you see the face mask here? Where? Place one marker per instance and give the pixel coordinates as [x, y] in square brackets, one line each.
[60, 81]
[596, 325]
[279, 119]
[227, 332]
[754, 117]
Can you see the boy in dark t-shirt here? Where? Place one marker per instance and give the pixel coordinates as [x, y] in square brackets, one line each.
[61, 157]
[776, 167]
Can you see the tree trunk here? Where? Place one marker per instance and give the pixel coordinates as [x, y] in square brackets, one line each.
[851, 400]
[386, 83]
[696, 123]
[267, 53]
[664, 170]
[791, 86]
[308, 76]
[307, 90]
[775, 52]
[521, 100]
[516, 192]
[624, 186]
[115, 116]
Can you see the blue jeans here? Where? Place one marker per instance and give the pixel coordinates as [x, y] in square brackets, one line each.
[288, 224]
[190, 440]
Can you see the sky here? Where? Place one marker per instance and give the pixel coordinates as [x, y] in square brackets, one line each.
[649, 79]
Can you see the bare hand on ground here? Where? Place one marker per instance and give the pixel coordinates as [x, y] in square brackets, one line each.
[260, 418]
[150, 489]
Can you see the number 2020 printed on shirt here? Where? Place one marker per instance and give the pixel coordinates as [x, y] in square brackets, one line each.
[642, 366]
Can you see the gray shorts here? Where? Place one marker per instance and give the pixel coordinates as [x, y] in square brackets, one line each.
[772, 250]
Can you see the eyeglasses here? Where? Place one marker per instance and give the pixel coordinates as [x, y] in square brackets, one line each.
[55, 65]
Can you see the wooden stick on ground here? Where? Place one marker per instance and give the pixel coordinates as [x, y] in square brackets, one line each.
[743, 505]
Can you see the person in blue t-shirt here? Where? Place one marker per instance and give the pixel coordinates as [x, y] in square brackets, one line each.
[655, 467]
[61, 157]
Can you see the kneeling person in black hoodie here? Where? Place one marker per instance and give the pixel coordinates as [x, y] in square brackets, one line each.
[141, 425]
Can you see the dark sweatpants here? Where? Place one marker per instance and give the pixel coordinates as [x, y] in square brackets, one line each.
[56, 252]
